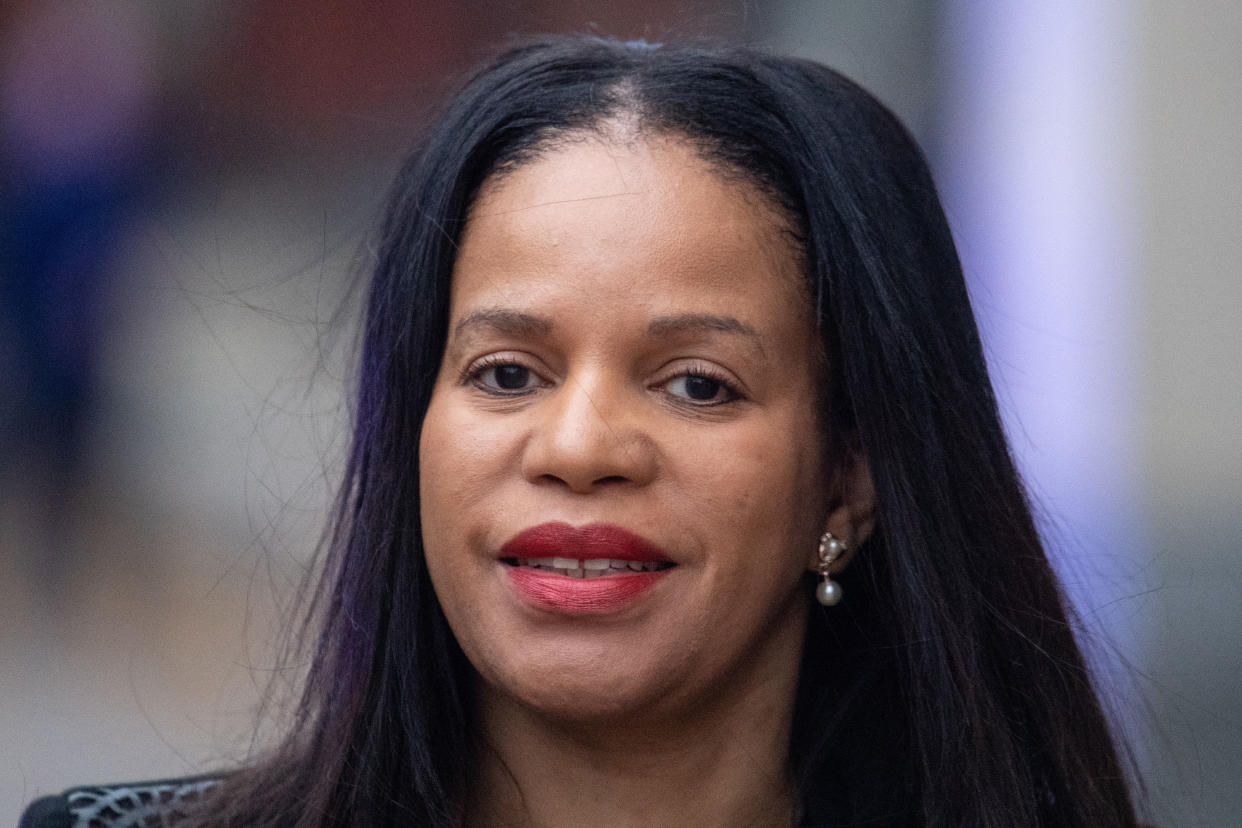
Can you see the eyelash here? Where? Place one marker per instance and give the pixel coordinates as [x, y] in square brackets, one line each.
[473, 373]
[708, 372]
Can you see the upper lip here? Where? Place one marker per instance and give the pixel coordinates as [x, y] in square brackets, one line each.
[593, 541]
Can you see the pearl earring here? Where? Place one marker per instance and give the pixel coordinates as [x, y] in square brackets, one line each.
[828, 593]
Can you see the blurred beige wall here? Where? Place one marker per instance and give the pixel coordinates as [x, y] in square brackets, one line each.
[1190, 198]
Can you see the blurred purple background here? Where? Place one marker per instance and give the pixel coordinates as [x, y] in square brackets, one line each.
[185, 195]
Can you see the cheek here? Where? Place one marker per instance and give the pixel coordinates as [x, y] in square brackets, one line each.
[449, 473]
[454, 476]
[774, 461]
[460, 461]
[759, 483]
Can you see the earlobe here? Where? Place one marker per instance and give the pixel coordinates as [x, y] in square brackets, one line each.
[851, 516]
[828, 593]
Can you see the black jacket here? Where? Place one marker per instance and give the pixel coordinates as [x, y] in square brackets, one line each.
[159, 802]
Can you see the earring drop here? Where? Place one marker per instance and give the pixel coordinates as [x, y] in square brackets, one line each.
[828, 592]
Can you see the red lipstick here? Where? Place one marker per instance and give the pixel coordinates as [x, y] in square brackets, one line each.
[555, 590]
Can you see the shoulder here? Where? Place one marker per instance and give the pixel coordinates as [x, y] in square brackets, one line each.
[155, 802]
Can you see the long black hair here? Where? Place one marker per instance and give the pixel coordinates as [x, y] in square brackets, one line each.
[947, 690]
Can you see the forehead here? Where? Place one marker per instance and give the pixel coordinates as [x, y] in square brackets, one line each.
[599, 210]
[602, 164]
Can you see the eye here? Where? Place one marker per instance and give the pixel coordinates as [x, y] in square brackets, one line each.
[502, 376]
[701, 389]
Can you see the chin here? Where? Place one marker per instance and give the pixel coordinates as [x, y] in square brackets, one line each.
[594, 689]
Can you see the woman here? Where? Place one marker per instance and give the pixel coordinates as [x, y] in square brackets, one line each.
[659, 340]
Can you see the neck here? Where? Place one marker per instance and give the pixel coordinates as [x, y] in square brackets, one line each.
[723, 762]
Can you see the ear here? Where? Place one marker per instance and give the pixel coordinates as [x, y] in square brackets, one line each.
[851, 510]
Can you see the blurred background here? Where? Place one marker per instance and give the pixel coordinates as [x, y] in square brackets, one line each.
[186, 191]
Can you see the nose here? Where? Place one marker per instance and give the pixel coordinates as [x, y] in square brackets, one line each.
[587, 435]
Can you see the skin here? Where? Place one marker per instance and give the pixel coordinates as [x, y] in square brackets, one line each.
[583, 278]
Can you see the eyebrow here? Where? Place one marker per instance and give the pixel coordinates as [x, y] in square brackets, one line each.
[499, 320]
[699, 323]
[518, 324]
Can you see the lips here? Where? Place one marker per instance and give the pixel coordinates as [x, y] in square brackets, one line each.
[590, 570]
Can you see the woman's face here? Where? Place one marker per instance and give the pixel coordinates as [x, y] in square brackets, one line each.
[622, 476]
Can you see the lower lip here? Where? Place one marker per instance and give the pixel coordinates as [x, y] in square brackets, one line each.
[581, 596]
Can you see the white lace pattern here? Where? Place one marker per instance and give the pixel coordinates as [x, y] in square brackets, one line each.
[141, 805]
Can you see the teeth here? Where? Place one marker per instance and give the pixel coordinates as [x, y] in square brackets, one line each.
[589, 567]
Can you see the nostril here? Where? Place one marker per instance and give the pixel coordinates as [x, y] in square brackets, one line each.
[585, 484]
[580, 453]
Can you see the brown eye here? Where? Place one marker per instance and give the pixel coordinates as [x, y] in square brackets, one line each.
[700, 390]
[505, 378]
[511, 377]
